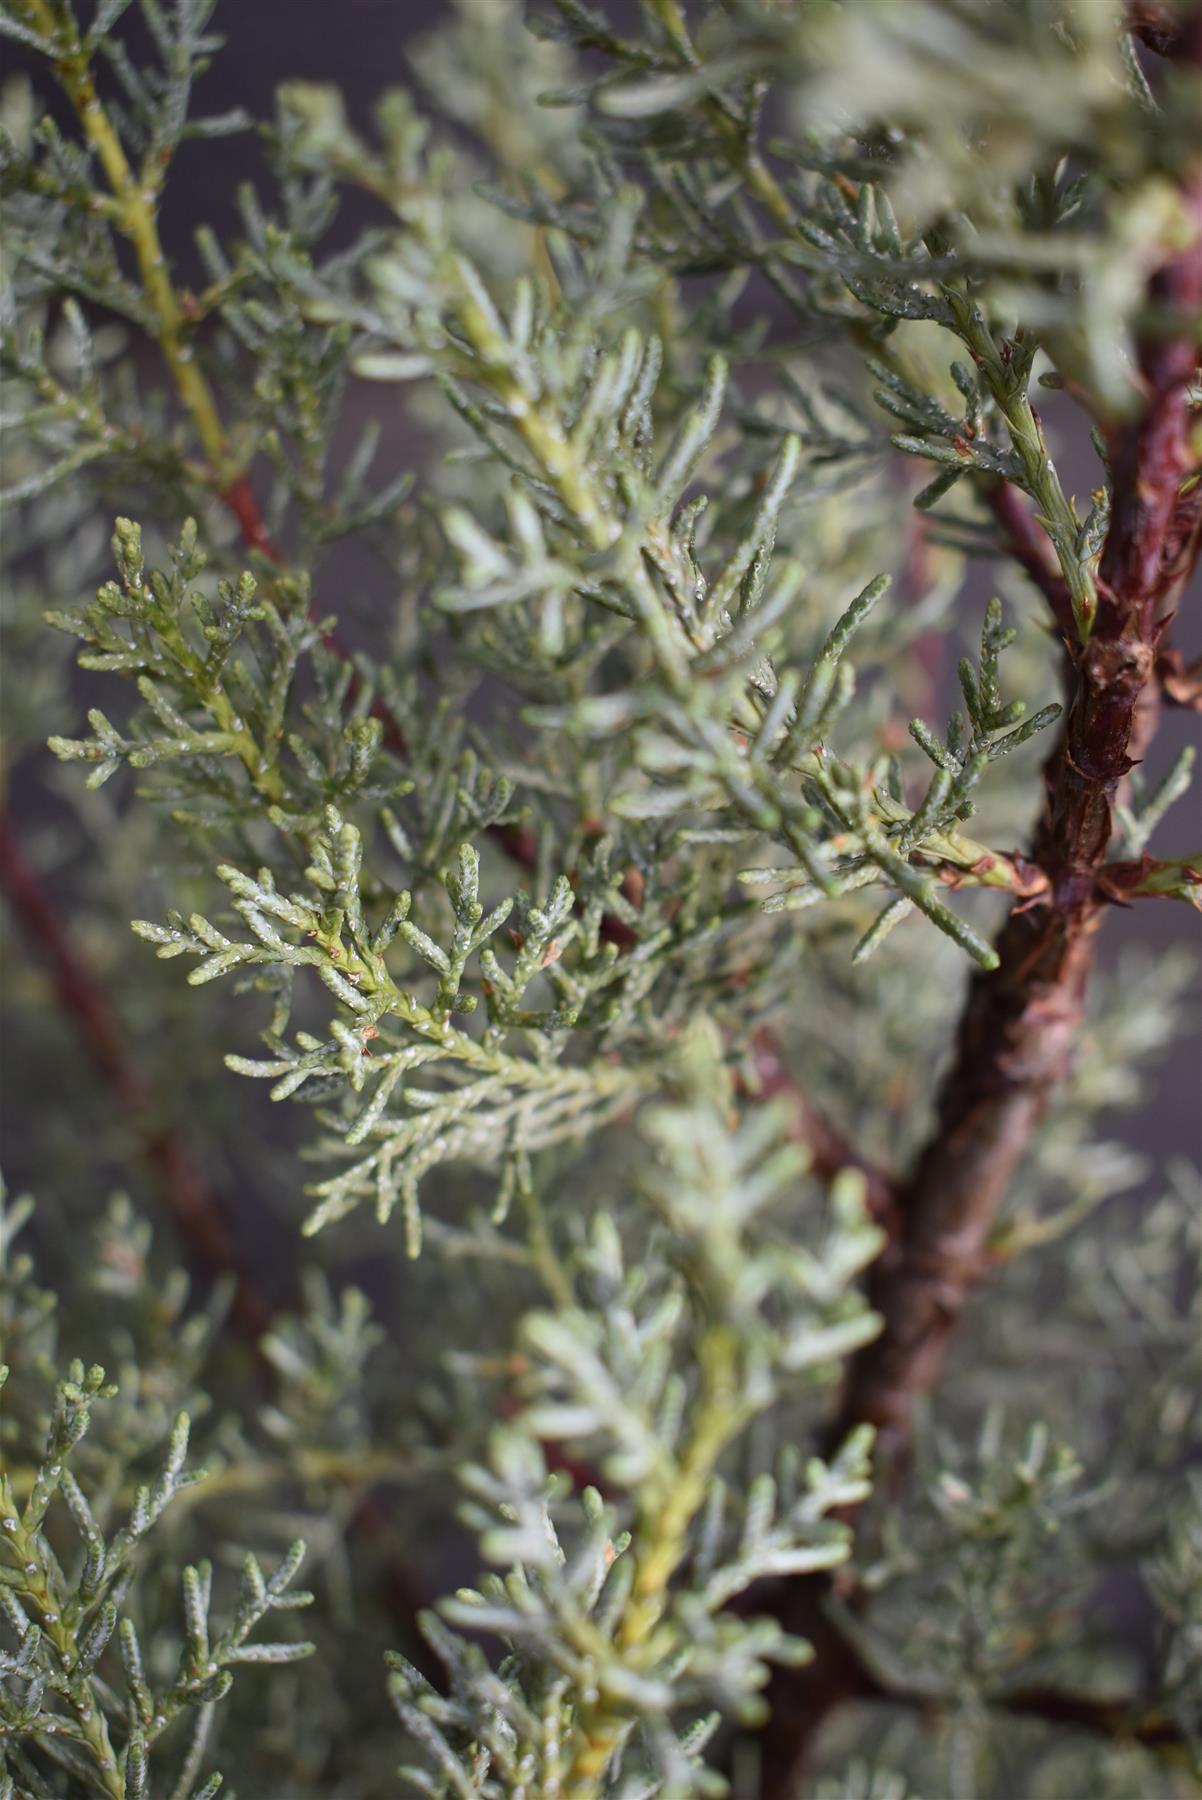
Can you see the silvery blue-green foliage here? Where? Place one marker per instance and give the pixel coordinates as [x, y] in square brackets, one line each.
[1004, 1510]
[78, 1542]
[492, 889]
[217, 1497]
[151, 627]
[623, 1648]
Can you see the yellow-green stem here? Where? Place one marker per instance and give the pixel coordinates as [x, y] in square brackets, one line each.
[135, 213]
[1056, 513]
[33, 1585]
[264, 777]
[666, 1515]
[746, 157]
[343, 1470]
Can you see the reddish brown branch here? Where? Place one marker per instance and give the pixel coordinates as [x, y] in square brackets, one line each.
[1118, 1720]
[1020, 1024]
[1160, 27]
[240, 499]
[1183, 540]
[1018, 1031]
[193, 1208]
[830, 1151]
[1146, 878]
[839, 1676]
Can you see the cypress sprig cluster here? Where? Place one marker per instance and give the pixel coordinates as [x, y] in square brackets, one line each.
[524, 701]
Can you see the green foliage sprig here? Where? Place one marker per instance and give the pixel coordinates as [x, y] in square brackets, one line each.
[55, 1696]
[616, 1635]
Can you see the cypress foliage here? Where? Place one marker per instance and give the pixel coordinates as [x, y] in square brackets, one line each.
[498, 620]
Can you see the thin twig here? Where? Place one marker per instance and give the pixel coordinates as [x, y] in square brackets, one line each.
[830, 1151]
[193, 1207]
[1029, 546]
[847, 1678]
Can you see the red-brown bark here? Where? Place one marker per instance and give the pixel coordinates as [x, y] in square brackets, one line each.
[193, 1208]
[1161, 27]
[1017, 1033]
[830, 1152]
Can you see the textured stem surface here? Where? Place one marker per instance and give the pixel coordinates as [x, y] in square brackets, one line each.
[1015, 1042]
